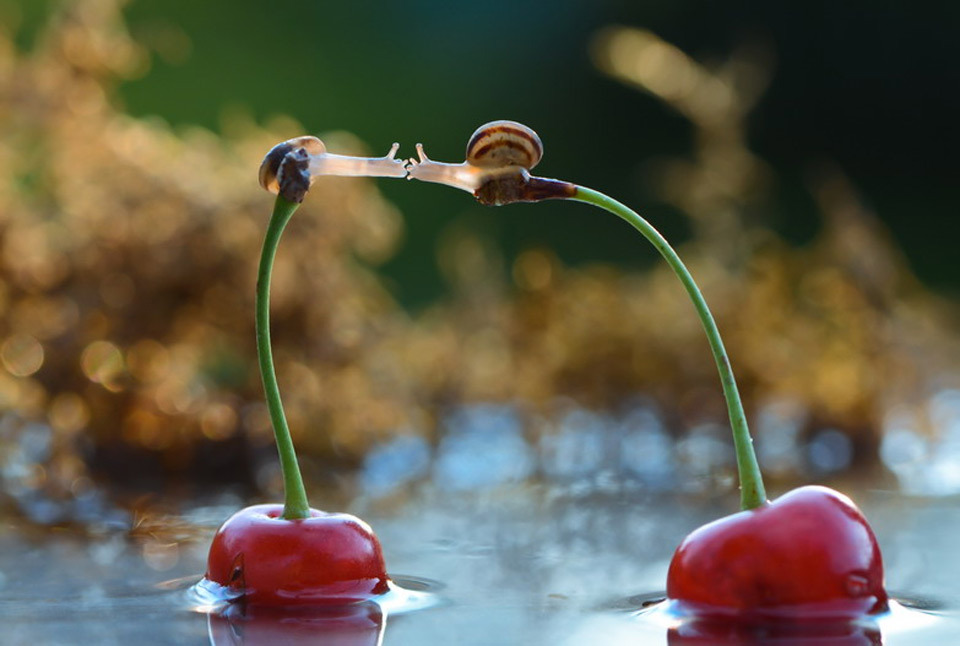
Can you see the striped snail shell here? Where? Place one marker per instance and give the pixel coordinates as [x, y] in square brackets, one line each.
[500, 155]
[504, 143]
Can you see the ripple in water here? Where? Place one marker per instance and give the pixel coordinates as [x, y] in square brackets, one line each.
[358, 624]
[908, 621]
[405, 594]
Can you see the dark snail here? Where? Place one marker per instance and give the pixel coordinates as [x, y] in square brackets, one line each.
[292, 166]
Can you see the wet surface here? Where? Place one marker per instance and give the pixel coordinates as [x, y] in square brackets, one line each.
[583, 563]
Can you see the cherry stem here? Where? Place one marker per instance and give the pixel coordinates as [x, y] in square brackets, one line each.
[295, 503]
[752, 493]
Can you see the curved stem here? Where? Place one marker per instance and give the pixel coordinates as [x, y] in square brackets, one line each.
[752, 493]
[295, 503]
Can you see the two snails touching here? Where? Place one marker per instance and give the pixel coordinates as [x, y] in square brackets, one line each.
[500, 155]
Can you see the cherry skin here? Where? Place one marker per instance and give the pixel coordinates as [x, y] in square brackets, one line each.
[808, 555]
[326, 559]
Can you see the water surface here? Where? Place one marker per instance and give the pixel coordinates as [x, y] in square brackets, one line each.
[576, 564]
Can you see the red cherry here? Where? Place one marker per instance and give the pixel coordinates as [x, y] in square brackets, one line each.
[810, 554]
[321, 560]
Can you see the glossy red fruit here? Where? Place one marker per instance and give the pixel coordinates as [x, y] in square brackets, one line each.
[325, 559]
[809, 555]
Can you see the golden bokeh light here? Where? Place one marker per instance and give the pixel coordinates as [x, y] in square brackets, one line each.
[128, 256]
[69, 413]
[21, 354]
[218, 421]
[102, 363]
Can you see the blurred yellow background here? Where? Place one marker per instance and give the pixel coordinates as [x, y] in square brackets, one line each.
[805, 180]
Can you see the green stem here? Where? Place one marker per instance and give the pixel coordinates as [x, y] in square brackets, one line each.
[295, 503]
[752, 493]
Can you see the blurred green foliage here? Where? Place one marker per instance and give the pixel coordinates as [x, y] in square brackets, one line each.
[126, 283]
[870, 87]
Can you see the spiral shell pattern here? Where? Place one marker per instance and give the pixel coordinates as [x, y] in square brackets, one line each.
[504, 143]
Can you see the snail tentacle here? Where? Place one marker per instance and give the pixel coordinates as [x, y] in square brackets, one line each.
[463, 176]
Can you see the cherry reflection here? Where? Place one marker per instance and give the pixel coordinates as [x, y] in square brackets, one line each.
[723, 633]
[359, 624]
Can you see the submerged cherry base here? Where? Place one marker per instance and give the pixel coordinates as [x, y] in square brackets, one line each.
[727, 633]
[326, 559]
[359, 624]
[807, 556]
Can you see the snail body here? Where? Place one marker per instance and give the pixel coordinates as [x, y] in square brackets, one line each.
[290, 167]
[496, 169]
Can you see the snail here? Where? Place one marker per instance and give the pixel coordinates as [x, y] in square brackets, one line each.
[292, 166]
[500, 155]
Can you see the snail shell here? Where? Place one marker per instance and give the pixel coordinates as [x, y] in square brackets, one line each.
[504, 143]
[270, 166]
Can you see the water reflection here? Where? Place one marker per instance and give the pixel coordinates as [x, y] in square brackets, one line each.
[355, 625]
[922, 445]
[574, 448]
[46, 485]
[646, 449]
[577, 447]
[387, 467]
[701, 633]
[533, 565]
[483, 446]
[778, 424]
[647, 619]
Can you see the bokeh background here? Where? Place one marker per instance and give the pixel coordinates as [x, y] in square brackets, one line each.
[801, 159]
